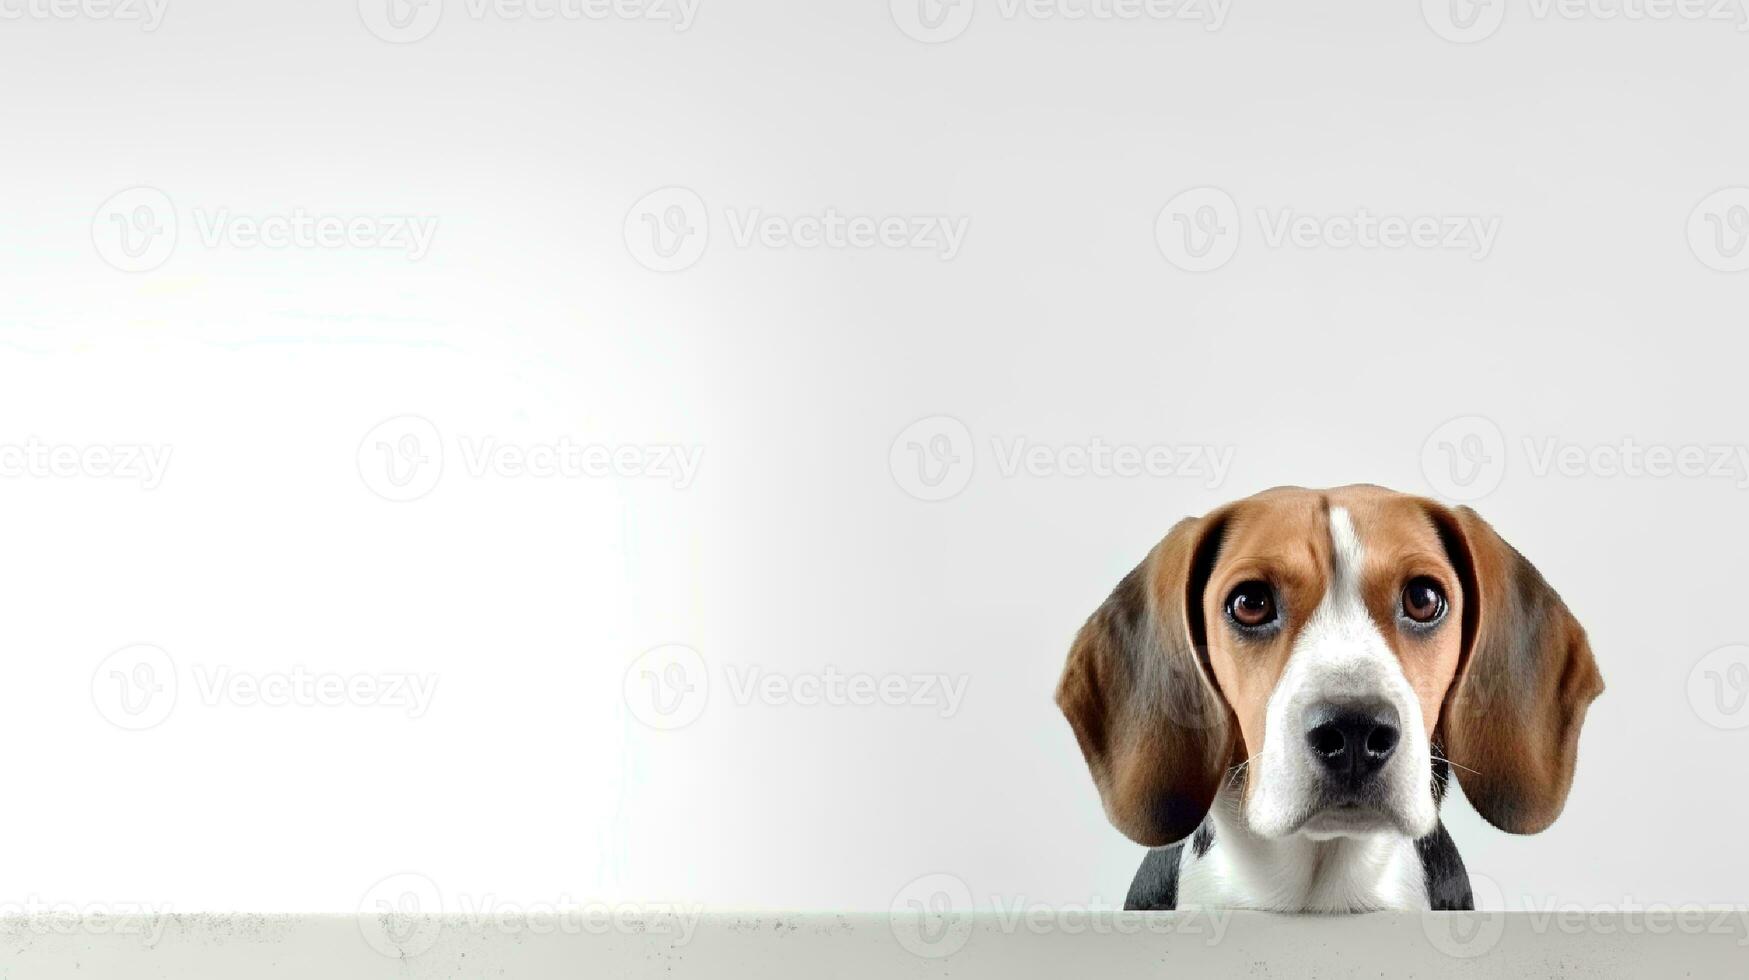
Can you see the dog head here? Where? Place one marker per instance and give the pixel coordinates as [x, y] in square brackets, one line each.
[1326, 654]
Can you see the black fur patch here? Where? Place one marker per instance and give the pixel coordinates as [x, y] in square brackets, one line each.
[1202, 565]
[1155, 888]
[1448, 884]
[1204, 839]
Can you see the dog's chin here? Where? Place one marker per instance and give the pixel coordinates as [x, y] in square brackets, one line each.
[1353, 820]
[1333, 819]
[1329, 822]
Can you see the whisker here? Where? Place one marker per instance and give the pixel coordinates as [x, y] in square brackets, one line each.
[1441, 758]
[1235, 772]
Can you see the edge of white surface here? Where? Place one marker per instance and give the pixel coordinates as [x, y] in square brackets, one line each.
[767, 945]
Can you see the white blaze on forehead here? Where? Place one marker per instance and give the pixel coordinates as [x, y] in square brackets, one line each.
[1347, 556]
[1340, 636]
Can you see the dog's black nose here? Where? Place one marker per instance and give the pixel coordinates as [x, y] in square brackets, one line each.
[1352, 741]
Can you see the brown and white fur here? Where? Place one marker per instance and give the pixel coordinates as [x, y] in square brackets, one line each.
[1309, 755]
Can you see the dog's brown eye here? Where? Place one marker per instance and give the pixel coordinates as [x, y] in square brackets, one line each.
[1423, 601]
[1252, 605]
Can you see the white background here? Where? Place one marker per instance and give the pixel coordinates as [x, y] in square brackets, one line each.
[801, 546]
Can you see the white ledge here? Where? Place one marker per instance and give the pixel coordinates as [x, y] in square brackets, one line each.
[1693, 942]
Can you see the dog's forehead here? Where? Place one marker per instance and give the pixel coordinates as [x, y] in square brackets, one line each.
[1292, 525]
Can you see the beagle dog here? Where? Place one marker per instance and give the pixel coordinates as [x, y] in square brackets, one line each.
[1291, 680]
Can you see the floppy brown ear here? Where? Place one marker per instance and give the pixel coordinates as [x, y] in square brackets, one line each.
[1156, 733]
[1512, 715]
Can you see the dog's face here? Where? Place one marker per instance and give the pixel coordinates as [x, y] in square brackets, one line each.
[1334, 633]
[1309, 650]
